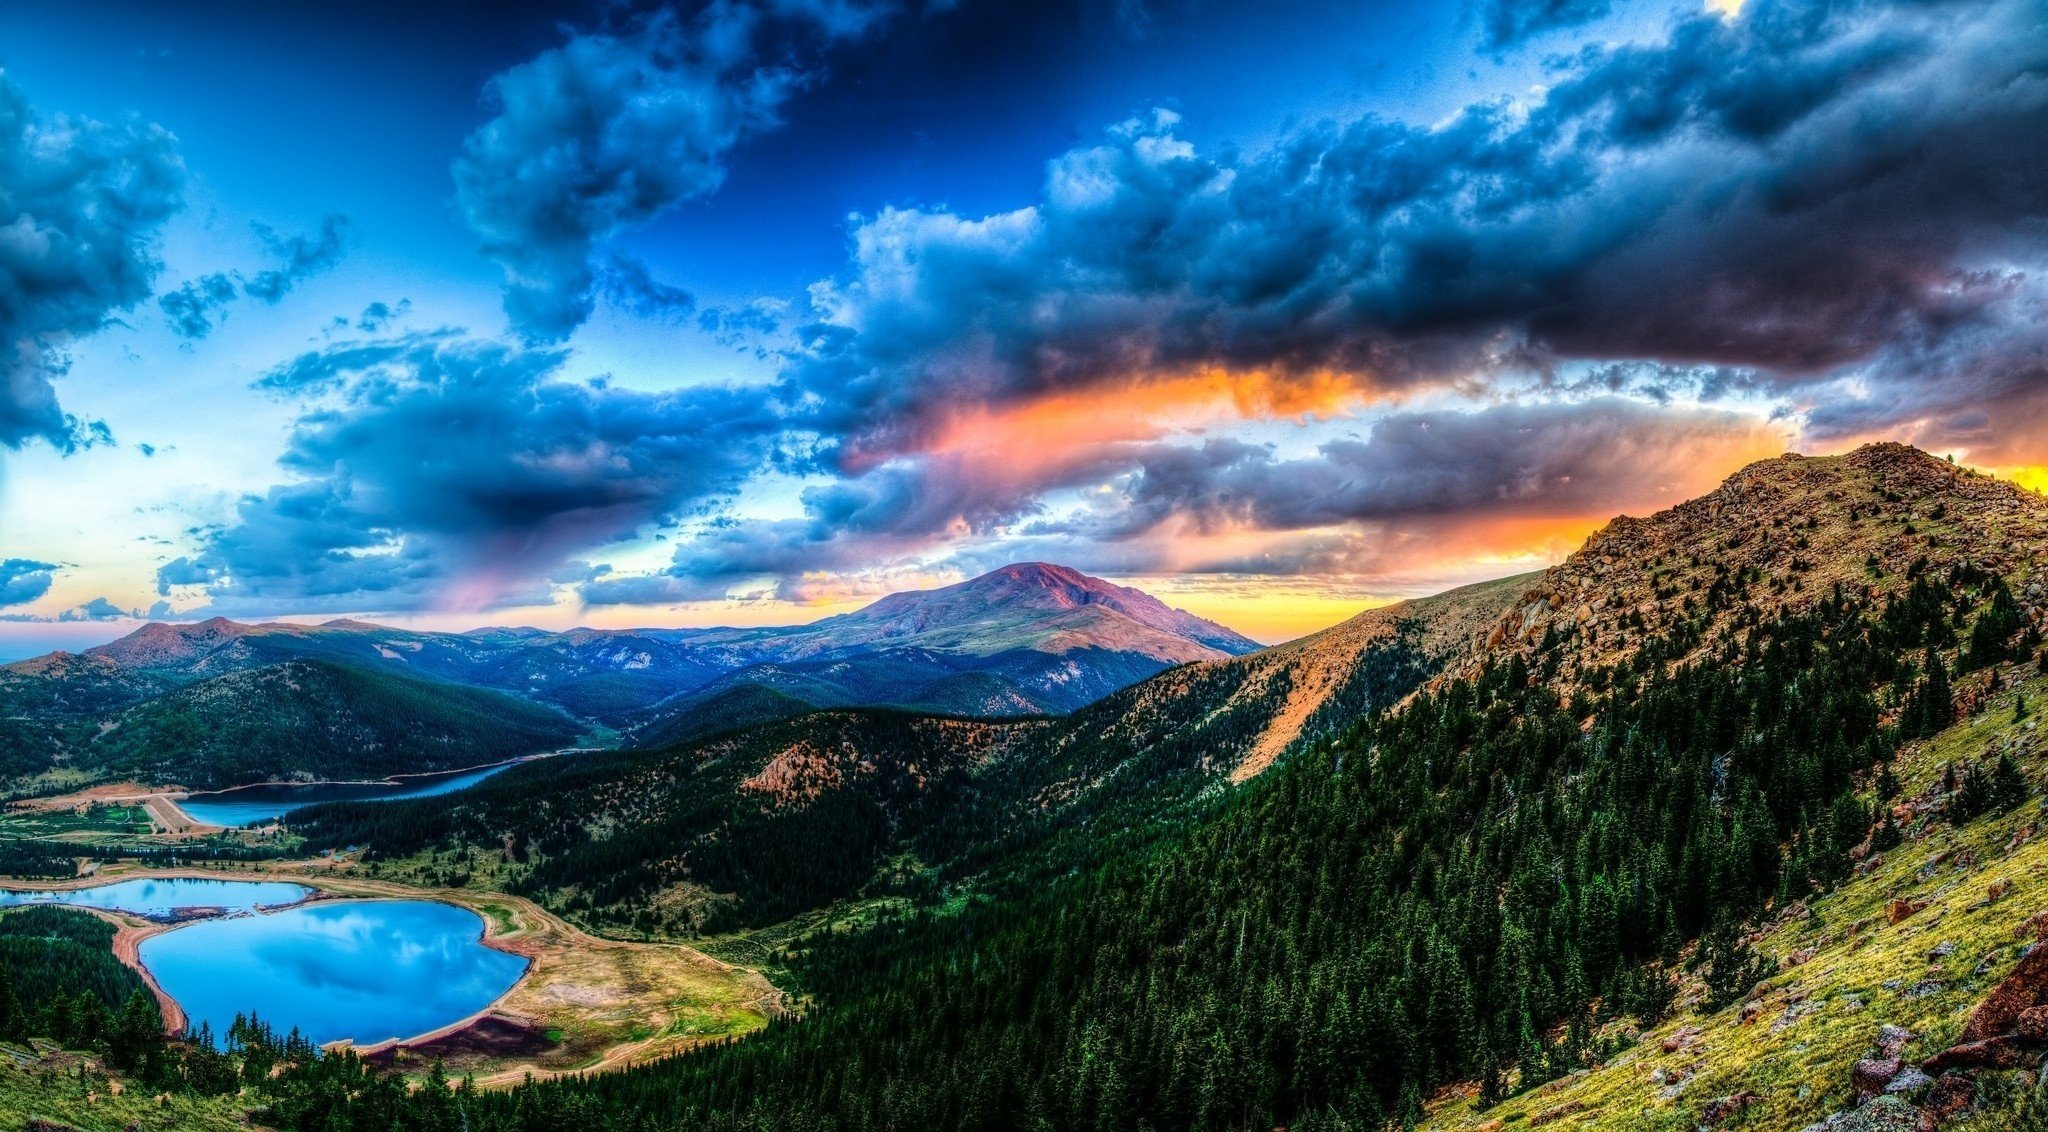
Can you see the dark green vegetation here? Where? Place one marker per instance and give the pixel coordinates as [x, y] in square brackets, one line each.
[313, 719]
[299, 719]
[1475, 858]
[59, 979]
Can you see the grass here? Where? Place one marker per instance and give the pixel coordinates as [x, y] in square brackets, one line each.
[91, 825]
[42, 1082]
[601, 1001]
[1844, 969]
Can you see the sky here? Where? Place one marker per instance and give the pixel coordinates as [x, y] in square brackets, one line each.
[748, 312]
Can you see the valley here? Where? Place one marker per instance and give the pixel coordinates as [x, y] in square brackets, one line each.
[1623, 844]
[1108, 566]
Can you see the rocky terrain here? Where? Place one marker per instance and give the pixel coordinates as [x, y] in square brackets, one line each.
[1774, 538]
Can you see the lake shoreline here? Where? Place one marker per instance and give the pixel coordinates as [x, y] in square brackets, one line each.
[165, 804]
[573, 982]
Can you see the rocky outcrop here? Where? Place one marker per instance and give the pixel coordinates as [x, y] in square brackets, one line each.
[1777, 536]
[2008, 1030]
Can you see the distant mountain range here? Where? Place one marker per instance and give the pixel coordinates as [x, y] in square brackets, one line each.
[1028, 639]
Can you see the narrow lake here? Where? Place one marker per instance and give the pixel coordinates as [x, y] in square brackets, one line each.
[254, 805]
[365, 970]
[160, 897]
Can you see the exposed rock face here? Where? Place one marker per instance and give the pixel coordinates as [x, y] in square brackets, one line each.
[2025, 988]
[1953, 1096]
[1885, 1114]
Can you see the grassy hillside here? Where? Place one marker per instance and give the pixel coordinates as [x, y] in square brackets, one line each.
[305, 720]
[1750, 803]
[1849, 963]
[1480, 892]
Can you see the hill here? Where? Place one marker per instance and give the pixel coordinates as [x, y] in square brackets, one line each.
[1583, 797]
[664, 827]
[316, 720]
[1027, 639]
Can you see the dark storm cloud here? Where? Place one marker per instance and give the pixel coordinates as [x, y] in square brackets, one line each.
[1413, 470]
[1978, 383]
[23, 580]
[1792, 191]
[1834, 209]
[198, 305]
[1506, 23]
[1535, 460]
[612, 129]
[440, 469]
[81, 204]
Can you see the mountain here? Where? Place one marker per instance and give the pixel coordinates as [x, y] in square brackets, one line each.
[1774, 539]
[868, 786]
[1028, 639]
[316, 720]
[1516, 828]
[1029, 605]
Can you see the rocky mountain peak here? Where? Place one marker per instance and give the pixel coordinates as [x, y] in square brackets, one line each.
[1037, 605]
[1776, 537]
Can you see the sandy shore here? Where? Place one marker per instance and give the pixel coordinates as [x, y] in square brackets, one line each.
[614, 1003]
[128, 936]
[161, 805]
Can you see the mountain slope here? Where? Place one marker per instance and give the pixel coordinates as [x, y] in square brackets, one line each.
[872, 786]
[1024, 640]
[1556, 837]
[1029, 605]
[1777, 537]
[306, 720]
[1919, 933]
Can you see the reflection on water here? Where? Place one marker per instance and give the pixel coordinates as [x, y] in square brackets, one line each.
[159, 897]
[253, 805]
[365, 970]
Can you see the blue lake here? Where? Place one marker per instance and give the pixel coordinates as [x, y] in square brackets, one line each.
[365, 970]
[254, 805]
[159, 897]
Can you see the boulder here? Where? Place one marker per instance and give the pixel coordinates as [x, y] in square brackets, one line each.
[2033, 1024]
[1999, 1013]
[1885, 1114]
[1870, 1075]
[1909, 1080]
[1892, 1040]
[1953, 1096]
[1681, 1038]
[2001, 1052]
